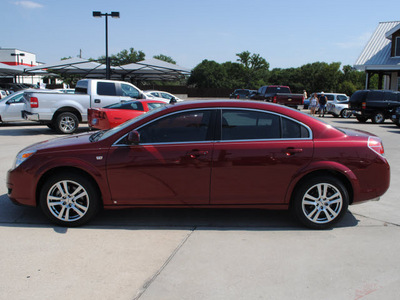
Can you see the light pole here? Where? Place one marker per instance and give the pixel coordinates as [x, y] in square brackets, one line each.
[114, 14]
[17, 55]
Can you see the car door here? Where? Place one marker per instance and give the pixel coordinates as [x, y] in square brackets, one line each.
[258, 156]
[11, 109]
[106, 94]
[170, 166]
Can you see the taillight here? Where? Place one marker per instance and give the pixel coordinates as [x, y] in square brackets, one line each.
[375, 144]
[274, 99]
[34, 102]
[364, 105]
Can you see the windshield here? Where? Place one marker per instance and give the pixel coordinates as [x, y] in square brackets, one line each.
[101, 135]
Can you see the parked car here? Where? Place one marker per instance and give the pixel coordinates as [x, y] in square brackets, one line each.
[118, 113]
[338, 106]
[279, 94]
[376, 105]
[63, 112]
[162, 95]
[208, 154]
[3, 94]
[332, 97]
[241, 94]
[11, 107]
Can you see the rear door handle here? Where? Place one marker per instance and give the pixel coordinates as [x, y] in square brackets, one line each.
[291, 150]
[97, 100]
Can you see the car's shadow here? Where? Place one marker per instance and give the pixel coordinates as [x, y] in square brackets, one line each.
[166, 218]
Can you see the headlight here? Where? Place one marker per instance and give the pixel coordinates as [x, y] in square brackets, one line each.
[22, 156]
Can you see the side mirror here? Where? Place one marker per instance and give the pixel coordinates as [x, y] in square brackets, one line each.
[141, 96]
[173, 100]
[133, 138]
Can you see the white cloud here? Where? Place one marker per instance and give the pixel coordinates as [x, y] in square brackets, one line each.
[28, 4]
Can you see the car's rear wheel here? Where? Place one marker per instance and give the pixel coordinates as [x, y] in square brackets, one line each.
[69, 199]
[66, 123]
[378, 118]
[320, 202]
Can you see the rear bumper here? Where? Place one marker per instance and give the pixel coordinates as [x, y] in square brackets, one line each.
[29, 116]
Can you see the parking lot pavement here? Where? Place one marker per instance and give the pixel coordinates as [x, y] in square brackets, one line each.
[200, 254]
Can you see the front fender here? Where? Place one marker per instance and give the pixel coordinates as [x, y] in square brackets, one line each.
[96, 172]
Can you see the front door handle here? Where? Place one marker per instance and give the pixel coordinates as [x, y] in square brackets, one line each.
[197, 153]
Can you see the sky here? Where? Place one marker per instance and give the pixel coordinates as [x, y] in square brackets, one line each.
[287, 33]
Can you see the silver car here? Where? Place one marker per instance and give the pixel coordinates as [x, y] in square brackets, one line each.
[11, 107]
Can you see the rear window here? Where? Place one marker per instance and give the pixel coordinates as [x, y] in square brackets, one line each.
[277, 89]
[81, 87]
[106, 89]
[127, 105]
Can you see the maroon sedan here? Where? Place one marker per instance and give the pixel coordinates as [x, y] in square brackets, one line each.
[236, 154]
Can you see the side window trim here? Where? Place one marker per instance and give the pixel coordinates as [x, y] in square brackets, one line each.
[310, 134]
[211, 125]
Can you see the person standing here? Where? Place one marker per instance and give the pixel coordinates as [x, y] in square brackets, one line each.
[304, 95]
[313, 104]
[322, 103]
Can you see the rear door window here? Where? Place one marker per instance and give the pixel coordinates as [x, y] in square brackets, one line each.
[106, 89]
[249, 125]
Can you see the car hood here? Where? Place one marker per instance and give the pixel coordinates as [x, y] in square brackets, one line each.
[76, 141]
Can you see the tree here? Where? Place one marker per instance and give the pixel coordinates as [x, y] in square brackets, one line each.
[208, 74]
[255, 69]
[165, 58]
[124, 57]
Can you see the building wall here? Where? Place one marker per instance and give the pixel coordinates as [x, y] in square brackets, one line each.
[27, 59]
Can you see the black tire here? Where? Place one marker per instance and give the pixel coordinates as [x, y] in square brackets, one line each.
[69, 199]
[378, 118]
[361, 119]
[345, 113]
[312, 205]
[397, 123]
[66, 123]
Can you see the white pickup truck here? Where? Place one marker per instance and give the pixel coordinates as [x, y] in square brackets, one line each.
[63, 112]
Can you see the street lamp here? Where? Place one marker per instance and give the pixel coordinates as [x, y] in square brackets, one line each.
[114, 14]
[17, 55]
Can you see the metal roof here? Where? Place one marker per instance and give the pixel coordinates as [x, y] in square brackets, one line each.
[376, 54]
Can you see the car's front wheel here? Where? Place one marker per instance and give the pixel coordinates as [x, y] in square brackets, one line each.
[69, 199]
[345, 113]
[320, 202]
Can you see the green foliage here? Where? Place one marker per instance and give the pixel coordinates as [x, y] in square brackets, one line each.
[124, 57]
[252, 71]
[165, 58]
[208, 74]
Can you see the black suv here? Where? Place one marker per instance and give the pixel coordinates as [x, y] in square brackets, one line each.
[241, 94]
[376, 105]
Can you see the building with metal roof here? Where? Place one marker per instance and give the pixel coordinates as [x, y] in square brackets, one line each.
[381, 56]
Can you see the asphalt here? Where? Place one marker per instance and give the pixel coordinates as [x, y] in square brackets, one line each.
[200, 254]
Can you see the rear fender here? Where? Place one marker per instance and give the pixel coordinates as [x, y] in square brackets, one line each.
[324, 167]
